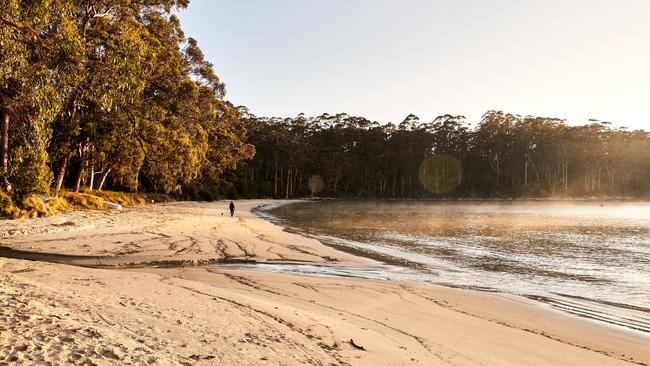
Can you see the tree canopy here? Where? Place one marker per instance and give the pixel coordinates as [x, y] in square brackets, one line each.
[97, 93]
[501, 156]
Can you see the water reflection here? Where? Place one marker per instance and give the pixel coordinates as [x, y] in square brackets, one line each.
[538, 248]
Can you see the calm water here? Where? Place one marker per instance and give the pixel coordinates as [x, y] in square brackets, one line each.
[579, 256]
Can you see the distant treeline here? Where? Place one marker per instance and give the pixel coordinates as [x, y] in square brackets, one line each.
[503, 156]
[109, 94]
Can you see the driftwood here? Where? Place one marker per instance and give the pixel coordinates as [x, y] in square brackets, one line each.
[356, 345]
[113, 205]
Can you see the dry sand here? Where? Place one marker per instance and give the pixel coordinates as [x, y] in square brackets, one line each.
[65, 314]
[189, 232]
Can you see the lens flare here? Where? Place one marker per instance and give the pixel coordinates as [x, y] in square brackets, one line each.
[440, 173]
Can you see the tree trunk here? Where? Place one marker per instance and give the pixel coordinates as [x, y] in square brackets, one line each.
[61, 174]
[5, 151]
[294, 181]
[92, 177]
[497, 167]
[288, 182]
[103, 180]
[82, 170]
[526, 173]
[566, 175]
[275, 175]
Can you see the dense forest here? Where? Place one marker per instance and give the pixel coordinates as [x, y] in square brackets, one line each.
[111, 95]
[501, 156]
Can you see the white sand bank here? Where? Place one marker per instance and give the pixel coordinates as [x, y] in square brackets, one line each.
[65, 314]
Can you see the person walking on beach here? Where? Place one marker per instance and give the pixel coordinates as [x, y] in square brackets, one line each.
[232, 209]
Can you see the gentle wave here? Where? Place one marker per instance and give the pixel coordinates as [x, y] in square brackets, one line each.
[539, 251]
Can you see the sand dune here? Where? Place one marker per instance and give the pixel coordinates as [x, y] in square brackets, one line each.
[65, 314]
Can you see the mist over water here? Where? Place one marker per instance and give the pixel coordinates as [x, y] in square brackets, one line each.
[533, 248]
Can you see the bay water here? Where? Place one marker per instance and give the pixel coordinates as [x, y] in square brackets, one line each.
[589, 258]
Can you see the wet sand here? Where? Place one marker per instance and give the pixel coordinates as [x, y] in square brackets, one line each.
[60, 313]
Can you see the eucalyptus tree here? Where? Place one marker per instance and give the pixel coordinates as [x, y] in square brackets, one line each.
[109, 71]
[109, 91]
[37, 43]
[505, 155]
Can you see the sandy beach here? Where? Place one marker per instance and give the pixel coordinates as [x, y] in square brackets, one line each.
[128, 312]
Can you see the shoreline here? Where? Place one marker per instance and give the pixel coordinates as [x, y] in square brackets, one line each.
[470, 199]
[271, 317]
[635, 317]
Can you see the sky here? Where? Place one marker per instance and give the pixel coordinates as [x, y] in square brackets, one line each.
[385, 59]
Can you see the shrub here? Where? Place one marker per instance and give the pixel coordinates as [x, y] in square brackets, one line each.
[33, 206]
[7, 207]
[83, 200]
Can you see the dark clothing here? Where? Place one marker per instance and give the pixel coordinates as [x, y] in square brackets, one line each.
[232, 209]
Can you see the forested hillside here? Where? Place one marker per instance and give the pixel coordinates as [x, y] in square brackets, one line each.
[502, 156]
[109, 94]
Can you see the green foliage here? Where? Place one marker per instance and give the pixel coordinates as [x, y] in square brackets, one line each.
[7, 207]
[29, 171]
[503, 156]
[28, 96]
[110, 95]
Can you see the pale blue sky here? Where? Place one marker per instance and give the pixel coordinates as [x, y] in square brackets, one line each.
[384, 59]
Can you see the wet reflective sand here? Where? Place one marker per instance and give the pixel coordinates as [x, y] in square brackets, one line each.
[580, 253]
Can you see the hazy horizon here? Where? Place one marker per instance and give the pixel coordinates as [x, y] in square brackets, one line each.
[383, 60]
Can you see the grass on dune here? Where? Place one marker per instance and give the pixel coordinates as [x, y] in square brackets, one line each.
[32, 206]
[65, 201]
[83, 200]
[124, 199]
